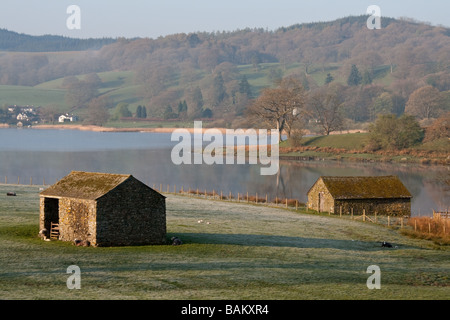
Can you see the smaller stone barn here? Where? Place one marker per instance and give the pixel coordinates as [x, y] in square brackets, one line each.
[103, 209]
[384, 195]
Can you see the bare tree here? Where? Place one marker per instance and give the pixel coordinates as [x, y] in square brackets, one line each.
[326, 105]
[280, 107]
[424, 103]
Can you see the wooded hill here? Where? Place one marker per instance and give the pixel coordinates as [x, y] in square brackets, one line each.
[19, 42]
[222, 71]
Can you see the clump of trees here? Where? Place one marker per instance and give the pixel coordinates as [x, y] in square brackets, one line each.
[392, 132]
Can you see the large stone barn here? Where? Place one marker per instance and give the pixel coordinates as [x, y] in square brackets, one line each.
[384, 195]
[104, 210]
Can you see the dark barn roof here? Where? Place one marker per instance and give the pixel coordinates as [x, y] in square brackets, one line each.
[86, 185]
[382, 187]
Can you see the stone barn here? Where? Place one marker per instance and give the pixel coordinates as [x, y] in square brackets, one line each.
[104, 209]
[384, 195]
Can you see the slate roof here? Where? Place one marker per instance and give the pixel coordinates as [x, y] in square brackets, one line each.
[85, 185]
[380, 187]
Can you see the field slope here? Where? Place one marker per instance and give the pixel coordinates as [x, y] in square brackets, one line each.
[238, 251]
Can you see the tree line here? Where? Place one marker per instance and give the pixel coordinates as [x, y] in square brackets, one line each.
[289, 107]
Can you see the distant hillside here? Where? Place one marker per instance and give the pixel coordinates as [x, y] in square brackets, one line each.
[221, 72]
[18, 42]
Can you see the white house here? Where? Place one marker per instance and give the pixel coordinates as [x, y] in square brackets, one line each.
[22, 116]
[67, 118]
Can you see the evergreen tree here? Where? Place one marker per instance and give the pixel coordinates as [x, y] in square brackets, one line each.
[195, 103]
[354, 78]
[207, 113]
[329, 78]
[182, 106]
[144, 112]
[219, 93]
[139, 111]
[244, 87]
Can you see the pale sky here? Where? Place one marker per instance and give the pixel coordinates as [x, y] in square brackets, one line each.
[150, 18]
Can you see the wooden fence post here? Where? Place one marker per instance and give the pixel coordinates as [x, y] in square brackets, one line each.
[352, 214]
[364, 215]
[340, 212]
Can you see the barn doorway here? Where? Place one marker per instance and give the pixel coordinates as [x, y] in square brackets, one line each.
[51, 212]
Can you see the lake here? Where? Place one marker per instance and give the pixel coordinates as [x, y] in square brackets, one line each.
[48, 155]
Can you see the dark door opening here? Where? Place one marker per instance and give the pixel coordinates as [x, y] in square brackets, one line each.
[51, 212]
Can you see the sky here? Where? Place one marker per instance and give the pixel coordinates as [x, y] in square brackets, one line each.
[150, 18]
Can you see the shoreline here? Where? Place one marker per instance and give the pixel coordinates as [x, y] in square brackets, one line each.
[105, 129]
[313, 153]
[95, 128]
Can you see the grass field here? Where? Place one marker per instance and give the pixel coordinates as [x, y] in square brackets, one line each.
[23, 96]
[246, 251]
[351, 146]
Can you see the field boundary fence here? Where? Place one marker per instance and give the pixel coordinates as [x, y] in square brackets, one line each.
[442, 218]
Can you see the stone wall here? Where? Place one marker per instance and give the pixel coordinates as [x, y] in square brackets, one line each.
[131, 214]
[77, 220]
[391, 207]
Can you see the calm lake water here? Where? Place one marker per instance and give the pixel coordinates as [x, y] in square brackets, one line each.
[51, 154]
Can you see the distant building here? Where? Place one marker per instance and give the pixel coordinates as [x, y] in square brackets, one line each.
[384, 195]
[22, 116]
[104, 209]
[67, 118]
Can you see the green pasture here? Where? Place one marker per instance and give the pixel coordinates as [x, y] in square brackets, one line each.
[231, 251]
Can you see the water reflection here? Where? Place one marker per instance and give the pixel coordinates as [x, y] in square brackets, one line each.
[36, 155]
